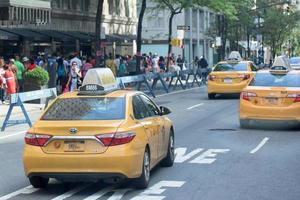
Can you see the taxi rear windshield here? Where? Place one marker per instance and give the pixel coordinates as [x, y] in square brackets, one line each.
[98, 108]
[223, 67]
[276, 80]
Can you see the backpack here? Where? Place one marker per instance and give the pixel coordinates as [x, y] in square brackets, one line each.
[61, 70]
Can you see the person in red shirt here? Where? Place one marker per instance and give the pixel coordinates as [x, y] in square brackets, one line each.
[31, 65]
[10, 80]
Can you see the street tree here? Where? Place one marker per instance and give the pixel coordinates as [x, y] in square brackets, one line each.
[175, 7]
[99, 53]
[139, 34]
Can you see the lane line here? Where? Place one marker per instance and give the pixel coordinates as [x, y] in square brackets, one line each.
[12, 135]
[181, 91]
[260, 145]
[99, 194]
[71, 192]
[195, 106]
[25, 190]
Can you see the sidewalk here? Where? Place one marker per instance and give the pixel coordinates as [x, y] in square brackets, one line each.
[17, 110]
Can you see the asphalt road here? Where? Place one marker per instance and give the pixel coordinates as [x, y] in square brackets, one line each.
[215, 160]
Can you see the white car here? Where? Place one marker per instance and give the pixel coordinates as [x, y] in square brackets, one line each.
[295, 63]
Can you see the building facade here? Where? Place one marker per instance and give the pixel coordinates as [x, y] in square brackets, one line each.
[70, 24]
[197, 41]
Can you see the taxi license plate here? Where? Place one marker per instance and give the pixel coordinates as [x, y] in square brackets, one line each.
[227, 80]
[74, 146]
[272, 101]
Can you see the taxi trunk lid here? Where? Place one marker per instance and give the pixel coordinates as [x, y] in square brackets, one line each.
[75, 137]
[230, 77]
[272, 96]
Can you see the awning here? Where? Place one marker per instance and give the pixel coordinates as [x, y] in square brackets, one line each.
[58, 36]
[8, 36]
[27, 34]
[81, 36]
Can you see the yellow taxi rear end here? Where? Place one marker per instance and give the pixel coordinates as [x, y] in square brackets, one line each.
[272, 97]
[97, 148]
[229, 77]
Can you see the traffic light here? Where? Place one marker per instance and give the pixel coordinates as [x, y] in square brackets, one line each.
[176, 42]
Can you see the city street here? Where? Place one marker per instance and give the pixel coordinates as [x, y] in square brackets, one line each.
[215, 159]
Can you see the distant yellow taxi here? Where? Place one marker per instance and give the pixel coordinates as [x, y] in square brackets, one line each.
[273, 95]
[99, 132]
[230, 76]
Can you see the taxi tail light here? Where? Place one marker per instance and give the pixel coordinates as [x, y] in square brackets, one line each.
[244, 76]
[212, 77]
[246, 95]
[116, 139]
[296, 97]
[36, 139]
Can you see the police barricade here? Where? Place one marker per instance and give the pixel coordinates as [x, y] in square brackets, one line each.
[18, 99]
[139, 79]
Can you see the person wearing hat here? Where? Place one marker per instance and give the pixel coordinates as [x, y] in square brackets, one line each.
[20, 73]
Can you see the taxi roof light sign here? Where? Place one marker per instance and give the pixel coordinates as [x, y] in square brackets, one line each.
[234, 56]
[281, 65]
[98, 81]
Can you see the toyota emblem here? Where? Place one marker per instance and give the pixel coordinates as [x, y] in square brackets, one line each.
[73, 130]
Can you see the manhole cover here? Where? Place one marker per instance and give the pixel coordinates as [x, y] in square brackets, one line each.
[222, 129]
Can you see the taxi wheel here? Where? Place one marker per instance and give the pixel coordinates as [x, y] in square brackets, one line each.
[168, 161]
[211, 95]
[143, 181]
[38, 182]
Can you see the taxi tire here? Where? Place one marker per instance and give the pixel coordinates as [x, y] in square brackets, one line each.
[168, 161]
[38, 182]
[211, 95]
[142, 182]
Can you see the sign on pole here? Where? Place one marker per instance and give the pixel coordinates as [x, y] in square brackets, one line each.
[183, 27]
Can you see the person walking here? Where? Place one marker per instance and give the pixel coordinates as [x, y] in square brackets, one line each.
[10, 80]
[203, 65]
[62, 78]
[74, 77]
[85, 68]
[20, 73]
[2, 81]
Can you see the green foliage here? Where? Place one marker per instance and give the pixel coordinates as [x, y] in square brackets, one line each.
[37, 76]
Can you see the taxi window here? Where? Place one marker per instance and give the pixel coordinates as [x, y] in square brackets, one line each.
[151, 107]
[276, 80]
[231, 67]
[139, 109]
[96, 108]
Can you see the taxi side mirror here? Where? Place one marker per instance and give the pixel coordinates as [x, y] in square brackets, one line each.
[164, 110]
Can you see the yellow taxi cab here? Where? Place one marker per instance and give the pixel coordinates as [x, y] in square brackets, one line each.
[99, 132]
[272, 96]
[230, 76]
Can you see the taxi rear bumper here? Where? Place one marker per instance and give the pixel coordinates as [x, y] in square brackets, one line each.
[115, 162]
[222, 88]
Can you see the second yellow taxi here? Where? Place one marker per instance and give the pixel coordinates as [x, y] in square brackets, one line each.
[230, 76]
[272, 96]
[99, 132]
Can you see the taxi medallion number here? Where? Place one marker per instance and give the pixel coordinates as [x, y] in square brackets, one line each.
[227, 80]
[74, 146]
[272, 101]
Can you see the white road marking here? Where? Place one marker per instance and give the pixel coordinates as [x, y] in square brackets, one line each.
[71, 192]
[208, 157]
[195, 106]
[99, 194]
[260, 145]
[157, 189]
[11, 135]
[177, 92]
[26, 190]
[118, 194]
[181, 155]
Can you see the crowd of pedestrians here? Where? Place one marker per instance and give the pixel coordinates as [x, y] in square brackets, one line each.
[66, 73]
